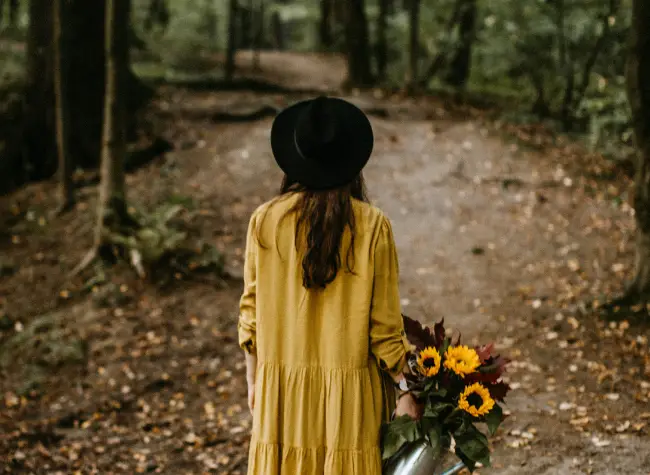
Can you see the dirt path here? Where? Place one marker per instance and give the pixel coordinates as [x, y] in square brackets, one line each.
[495, 262]
[504, 242]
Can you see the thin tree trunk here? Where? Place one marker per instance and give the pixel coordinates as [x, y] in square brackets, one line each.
[638, 86]
[112, 210]
[14, 10]
[157, 14]
[382, 40]
[232, 41]
[566, 67]
[325, 26]
[414, 45]
[38, 138]
[614, 5]
[441, 58]
[460, 64]
[62, 107]
[358, 49]
[257, 19]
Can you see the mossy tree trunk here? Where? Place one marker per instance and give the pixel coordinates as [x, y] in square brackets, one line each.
[112, 210]
[638, 85]
[62, 111]
[231, 49]
[39, 145]
[460, 64]
[358, 48]
[83, 89]
[325, 24]
[414, 45]
[382, 39]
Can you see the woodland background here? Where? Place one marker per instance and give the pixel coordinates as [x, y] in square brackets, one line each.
[513, 143]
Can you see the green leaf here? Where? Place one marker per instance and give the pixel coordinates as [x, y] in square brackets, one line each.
[440, 393]
[397, 433]
[472, 444]
[434, 433]
[435, 410]
[494, 418]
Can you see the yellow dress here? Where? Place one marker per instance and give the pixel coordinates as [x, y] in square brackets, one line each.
[320, 397]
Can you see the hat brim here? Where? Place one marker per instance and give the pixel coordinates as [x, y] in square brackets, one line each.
[310, 173]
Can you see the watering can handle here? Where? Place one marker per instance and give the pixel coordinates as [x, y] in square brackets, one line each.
[455, 469]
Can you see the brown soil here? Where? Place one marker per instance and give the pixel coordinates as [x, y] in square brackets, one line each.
[509, 233]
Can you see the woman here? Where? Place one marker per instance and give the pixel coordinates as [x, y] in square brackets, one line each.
[320, 314]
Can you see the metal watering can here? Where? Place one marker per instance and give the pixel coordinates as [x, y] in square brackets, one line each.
[417, 459]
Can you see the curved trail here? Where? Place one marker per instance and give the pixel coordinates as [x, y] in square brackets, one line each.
[479, 230]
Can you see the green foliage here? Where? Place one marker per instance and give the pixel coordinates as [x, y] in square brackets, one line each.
[160, 245]
[399, 432]
[42, 345]
[471, 445]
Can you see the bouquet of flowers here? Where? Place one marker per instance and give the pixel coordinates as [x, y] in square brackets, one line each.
[458, 387]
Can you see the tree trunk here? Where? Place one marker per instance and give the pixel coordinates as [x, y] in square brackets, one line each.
[39, 153]
[358, 49]
[14, 10]
[62, 107]
[157, 15]
[232, 41]
[414, 45]
[112, 210]
[84, 89]
[382, 41]
[638, 86]
[257, 20]
[325, 26]
[460, 65]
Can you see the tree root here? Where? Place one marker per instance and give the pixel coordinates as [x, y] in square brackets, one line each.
[90, 257]
[65, 208]
[629, 303]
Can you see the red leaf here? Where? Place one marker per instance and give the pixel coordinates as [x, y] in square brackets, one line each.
[439, 332]
[417, 334]
[499, 391]
[484, 352]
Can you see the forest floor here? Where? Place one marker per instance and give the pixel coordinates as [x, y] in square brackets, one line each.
[511, 234]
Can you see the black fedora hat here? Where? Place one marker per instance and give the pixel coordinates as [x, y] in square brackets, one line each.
[322, 143]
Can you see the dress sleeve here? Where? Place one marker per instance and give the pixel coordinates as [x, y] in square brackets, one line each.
[247, 325]
[387, 338]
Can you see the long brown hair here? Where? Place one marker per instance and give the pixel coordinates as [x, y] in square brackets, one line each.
[322, 218]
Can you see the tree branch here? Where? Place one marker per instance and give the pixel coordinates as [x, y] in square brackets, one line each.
[441, 58]
[614, 5]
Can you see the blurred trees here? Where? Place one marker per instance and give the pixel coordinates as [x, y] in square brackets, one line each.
[82, 60]
[459, 66]
[157, 15]
[638, 72]
[325, 27]
[414, 44]
[357, 44]
[560, 60]
[231, 48]
[11, 12]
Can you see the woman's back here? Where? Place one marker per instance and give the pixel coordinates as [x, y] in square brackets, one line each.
[319, 394]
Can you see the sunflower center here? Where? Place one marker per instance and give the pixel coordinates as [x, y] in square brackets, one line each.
[429, 362]
[475, 400]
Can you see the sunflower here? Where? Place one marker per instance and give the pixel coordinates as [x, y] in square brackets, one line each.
[429, 361]
[476, 400]
[462, 360]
